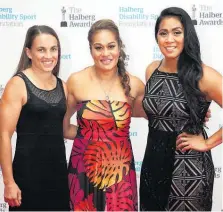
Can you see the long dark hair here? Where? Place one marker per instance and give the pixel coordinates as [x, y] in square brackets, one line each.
[31, 34]
[107, 24]
[189, 67]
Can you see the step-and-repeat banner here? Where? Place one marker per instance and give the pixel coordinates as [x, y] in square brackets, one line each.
[135, 19]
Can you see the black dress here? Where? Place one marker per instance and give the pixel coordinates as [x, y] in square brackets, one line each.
[39, 166]
[172, 180]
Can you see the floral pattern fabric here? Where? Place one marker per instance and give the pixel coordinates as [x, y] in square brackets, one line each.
[101, 169]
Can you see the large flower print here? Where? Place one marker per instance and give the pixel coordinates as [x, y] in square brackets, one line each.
[85, 205]
[77, 152]
[106, 163]
[119, 197]
[76, 193]
[104, 121]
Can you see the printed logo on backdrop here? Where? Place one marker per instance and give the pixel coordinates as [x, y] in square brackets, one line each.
[1, 90]
[194, 21]
[138, 165]
[65, 56]
[127, 60]
[217, 172]
[3, 207]
[133, 134]
[136, 17]
[204, 15]
[9, 17]
[157, 55]
[75, 17]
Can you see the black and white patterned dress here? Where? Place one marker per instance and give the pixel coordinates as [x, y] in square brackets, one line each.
[170, 179]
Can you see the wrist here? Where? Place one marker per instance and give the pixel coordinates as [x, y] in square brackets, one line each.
[9, 182]
[208, 144]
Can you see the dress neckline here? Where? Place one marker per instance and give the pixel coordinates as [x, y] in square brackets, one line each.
[103, 100]
[168, 73]
[38, 87]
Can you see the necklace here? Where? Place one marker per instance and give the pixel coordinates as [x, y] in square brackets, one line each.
[107, 93]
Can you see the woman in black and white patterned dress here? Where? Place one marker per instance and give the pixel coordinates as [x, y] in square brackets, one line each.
[177, 172]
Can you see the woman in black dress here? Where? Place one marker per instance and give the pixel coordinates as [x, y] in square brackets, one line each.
[177, 172]
[34, 103]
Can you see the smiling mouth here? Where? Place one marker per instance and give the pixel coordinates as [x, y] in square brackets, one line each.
[170, 48]
[107, 61]
[47, 62]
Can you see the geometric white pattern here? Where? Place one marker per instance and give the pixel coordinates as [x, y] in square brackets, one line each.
[193, 172]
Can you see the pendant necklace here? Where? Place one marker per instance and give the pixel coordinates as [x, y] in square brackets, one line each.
[107, 93]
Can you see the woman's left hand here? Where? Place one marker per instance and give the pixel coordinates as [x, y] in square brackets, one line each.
[187, 142]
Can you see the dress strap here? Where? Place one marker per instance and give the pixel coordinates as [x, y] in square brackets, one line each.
[62, 87]
[26, 81]
[160, 64]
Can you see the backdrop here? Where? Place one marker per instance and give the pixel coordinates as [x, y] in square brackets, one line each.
[136, 19]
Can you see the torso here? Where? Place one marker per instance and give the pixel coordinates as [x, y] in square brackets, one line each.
[87, 87]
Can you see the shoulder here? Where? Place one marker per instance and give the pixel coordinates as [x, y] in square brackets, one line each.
[17, 83]
[15, 89]
[64, 85]
[134, 80]
[209, 72]
[210, 77]
[77, 79]
[137, 85]
[151, 68]
[211, 82]
[79, 75]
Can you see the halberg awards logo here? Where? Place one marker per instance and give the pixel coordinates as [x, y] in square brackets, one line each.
[74, 17]
[63, 23]
[194, 21]
[204, 15]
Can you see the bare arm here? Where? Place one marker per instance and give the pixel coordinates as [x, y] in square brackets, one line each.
[69, 129]
[138, 110]
[211, 85]
[151, 68]
[10, 107]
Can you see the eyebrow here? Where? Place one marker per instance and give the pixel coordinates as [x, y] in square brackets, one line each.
[45, 47]
[173, 28]
[113, 42]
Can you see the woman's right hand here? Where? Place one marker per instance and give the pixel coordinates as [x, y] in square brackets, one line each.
[13, 195]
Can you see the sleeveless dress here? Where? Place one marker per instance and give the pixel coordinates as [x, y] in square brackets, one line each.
[102, 175]
[172, 180]
[39, 165]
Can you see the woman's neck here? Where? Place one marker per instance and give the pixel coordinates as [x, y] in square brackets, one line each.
[105, 75]
[170, 65]
[43, 76]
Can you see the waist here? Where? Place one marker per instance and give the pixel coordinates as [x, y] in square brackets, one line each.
[160, 132]
[101, 135]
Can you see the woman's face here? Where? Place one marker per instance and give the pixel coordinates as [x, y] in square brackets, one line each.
[44, 52]
[170, 37]
[105, 50]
